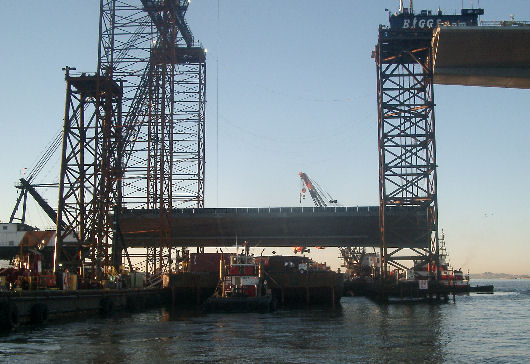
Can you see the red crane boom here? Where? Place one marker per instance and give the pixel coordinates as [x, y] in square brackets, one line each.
[319, 197]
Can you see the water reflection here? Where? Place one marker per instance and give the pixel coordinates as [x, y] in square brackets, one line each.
[356, 330]
[476, 328]
[408, 333]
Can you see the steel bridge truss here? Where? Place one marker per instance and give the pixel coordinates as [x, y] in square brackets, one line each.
[407, 149]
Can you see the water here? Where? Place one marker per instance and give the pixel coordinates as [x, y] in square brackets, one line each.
[479, 328]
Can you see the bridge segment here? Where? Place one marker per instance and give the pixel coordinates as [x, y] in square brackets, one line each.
[270, 227]
[482, 56]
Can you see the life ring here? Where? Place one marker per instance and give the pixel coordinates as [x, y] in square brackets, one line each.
[39, 313]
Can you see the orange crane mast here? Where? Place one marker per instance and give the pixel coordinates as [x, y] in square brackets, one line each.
[352, 256]
[318, 195]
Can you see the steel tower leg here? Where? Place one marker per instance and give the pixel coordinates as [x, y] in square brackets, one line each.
[90, 172]
[407, 149]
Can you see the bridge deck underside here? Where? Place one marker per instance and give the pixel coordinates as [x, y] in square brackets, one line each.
[482, 56]
[274, 227]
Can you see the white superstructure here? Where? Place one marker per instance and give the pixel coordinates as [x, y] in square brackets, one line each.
[11, 234]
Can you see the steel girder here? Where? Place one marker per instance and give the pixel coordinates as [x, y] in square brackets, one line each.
[406, 139]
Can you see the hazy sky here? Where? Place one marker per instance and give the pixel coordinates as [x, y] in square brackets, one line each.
[296, 92]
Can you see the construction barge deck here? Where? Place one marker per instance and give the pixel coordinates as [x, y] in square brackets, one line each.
[292, 281]
[409, 291]
[289, 289]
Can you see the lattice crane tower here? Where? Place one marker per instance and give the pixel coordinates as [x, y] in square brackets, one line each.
[149, 93]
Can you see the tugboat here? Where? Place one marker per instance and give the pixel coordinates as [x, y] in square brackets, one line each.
[241, 287]
[453, 279]
[449, 277]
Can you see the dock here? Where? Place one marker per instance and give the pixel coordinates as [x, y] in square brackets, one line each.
[37, 307]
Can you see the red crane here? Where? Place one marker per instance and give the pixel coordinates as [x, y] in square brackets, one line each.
[352, 256]
[319, 197]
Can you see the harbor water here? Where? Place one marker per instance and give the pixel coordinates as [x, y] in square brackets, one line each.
[478, 328]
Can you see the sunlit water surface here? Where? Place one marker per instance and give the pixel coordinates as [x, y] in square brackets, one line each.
[479, 328]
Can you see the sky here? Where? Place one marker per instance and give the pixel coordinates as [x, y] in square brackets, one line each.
[291, 86]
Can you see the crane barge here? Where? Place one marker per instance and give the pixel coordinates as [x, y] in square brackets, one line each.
[353, 257]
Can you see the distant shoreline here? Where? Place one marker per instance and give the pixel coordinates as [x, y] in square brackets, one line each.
[490, 275]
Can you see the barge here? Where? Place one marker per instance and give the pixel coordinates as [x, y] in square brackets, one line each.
[292, 280]
[424, 282]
